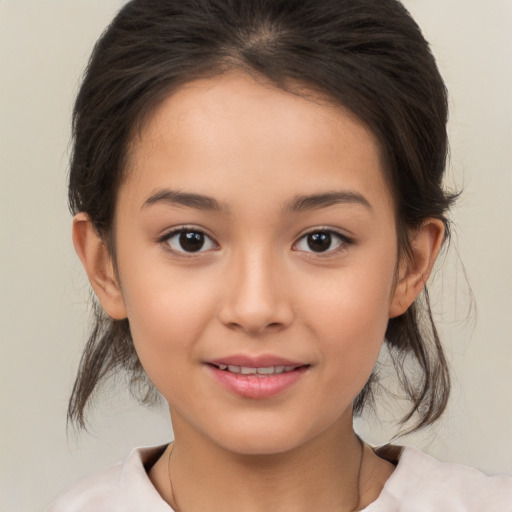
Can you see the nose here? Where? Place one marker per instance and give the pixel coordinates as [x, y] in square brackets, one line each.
[255, 300]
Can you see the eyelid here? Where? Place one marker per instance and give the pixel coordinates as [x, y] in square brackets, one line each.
[172, 232]
[344, 240]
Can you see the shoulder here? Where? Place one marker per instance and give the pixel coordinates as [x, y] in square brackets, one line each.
[96, 492]
[423, 484]
[120, 488]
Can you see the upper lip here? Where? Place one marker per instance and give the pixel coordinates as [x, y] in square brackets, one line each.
[262, 361]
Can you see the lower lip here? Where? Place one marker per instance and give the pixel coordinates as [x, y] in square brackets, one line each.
[254, 386]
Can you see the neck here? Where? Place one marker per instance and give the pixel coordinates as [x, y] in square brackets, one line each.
[323, 474]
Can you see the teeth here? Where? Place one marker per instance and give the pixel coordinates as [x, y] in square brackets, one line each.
[264, 370]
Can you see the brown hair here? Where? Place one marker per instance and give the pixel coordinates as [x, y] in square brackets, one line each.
[367, 55]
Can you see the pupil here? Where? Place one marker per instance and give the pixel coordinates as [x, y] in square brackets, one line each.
[319, 242]
[191, 241]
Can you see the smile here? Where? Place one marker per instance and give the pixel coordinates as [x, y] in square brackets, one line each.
[260, 371]
[256, 378]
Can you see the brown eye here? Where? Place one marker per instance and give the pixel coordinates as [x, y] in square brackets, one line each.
[321, 241]
[189, 241]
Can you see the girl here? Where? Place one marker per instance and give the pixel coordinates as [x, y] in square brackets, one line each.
[258, 204]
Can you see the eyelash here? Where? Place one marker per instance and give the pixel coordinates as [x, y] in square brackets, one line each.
[166, 239]
[343, 241]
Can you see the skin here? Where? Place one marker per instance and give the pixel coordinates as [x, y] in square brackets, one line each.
[257, 287]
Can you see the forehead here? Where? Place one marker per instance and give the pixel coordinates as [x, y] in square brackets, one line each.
[256, 136]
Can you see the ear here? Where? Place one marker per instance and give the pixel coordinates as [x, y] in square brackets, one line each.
[413, 272]
[96, 259]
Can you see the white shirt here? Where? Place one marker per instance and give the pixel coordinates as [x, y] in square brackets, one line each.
[419, 483]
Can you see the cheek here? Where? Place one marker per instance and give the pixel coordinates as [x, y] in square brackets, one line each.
[351, 350]
[351, 314]
[168, 312]
[353, 337]
[353, 302]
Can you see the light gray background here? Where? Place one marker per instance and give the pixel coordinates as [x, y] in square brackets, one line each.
[44, 45]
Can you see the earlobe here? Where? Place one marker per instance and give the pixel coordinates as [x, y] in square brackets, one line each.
[97, 262]
[415, 270]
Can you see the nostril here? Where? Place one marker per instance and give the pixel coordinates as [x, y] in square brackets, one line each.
[251, 314]
[256, 327]
[234, 326]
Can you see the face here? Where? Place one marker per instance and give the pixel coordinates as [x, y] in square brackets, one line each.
[256, 255]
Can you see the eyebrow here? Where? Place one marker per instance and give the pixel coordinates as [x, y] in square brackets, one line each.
[175, 197]
[314, 201]
[297, 205]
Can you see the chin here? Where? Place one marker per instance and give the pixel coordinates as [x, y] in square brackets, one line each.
[264, 437]
[257, 444]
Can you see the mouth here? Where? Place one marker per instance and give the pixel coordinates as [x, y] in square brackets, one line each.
[257, 378]
[260, 371]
